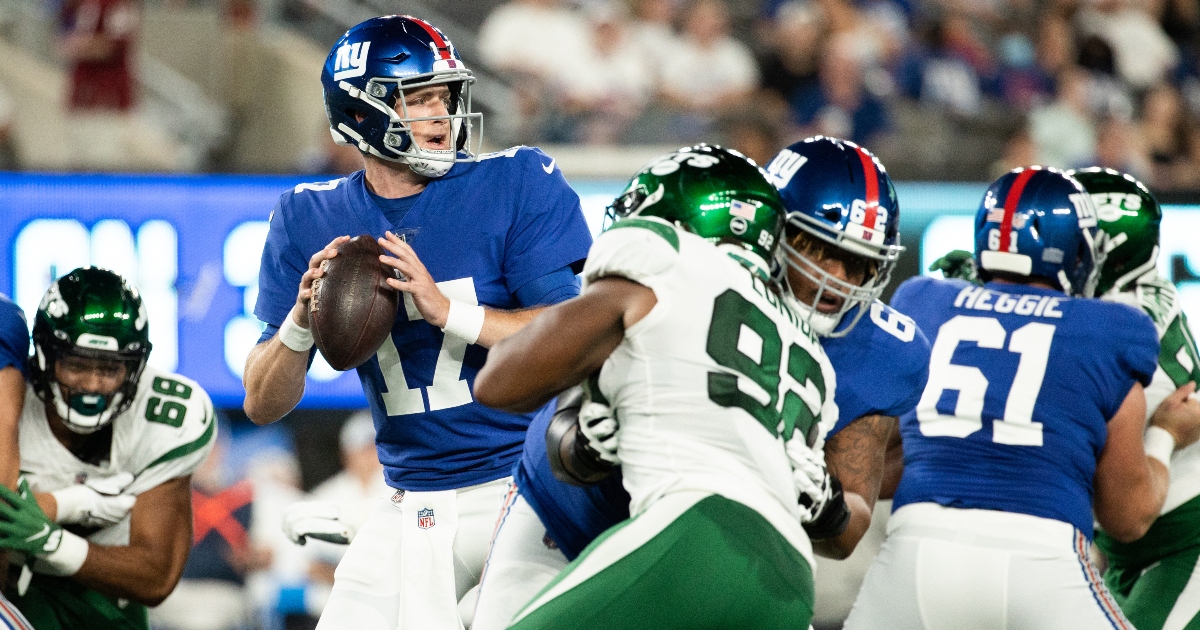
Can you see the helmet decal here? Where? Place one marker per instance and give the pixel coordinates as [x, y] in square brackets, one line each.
[1128, 216]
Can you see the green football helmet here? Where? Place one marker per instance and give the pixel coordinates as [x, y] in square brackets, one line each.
[1129, 215]
[94, 314]
[710, 191]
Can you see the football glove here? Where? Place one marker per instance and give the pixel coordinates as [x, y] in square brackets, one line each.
[316, 519]
[598, 424]
[25, 528]
[95, 503]
[823, 511]
[957, 264]
[581, 464]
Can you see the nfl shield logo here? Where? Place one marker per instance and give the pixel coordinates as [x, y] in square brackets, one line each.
[425, 518]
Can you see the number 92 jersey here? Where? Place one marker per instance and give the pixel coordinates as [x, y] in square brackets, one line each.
[1022, 383]
[165, 434]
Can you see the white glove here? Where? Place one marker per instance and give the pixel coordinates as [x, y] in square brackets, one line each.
[597, 424]
[316, 519]
[811, 477]
[98, 502]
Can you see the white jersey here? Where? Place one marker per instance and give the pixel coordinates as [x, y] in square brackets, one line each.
[166, 433]
[707, 386]
[1177, 364]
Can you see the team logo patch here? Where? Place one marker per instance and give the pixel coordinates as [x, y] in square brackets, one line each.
[398, 497]
[351, 61]
[738, 225]
[425, 518]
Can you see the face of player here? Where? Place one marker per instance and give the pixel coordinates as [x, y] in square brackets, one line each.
[88, 374]
[816, 255]
[432, 100]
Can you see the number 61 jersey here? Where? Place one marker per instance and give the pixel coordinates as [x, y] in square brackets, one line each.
[1022, 383]
[712, 382]
[165, 434]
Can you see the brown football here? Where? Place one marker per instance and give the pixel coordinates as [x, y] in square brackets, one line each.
[352, 307]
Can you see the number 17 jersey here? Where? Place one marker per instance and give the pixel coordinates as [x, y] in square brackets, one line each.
[1022, 383]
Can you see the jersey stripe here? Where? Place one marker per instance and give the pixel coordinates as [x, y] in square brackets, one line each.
[11, 617]
[1010, 206]
[1099, 591]
[871, 179]
[190, 447]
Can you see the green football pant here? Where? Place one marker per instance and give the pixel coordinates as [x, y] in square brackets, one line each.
[1165, 596]
[56, 603]
[691, 561]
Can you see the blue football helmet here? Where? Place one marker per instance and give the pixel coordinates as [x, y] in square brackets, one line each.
[366, 74]
[837, 194]
[1038, 222]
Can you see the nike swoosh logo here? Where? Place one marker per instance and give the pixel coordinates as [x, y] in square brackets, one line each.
[549, 168]
[45, 530]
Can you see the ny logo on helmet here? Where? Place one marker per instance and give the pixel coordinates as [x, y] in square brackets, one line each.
[351, 61]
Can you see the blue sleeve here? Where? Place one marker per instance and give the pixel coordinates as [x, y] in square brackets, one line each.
[279, 272]
[548, 231]
[552, 288]
[1141, 353]
[14, 337]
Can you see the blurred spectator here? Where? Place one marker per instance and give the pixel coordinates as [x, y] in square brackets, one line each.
[654, 29]
[277, 592]
[753, 135]
[1020, 150]
[331, 158]
[840, 106]
[1171, 139]
[1107, 95]
[1063, 130]
[8, 145]
[1117, 148]
[946, 70]
[529, 37]
[710, 72]
[1144, 54]
[792, 61]
[872, 44]
[605, 85]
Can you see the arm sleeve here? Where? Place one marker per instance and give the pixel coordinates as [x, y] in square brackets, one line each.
[14, 338]
[548, 230]
[279, 271]
[552, 288]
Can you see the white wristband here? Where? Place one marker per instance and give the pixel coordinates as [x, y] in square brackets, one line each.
[464, 321]
[293, 336]
[1159, 445]
[67, 559]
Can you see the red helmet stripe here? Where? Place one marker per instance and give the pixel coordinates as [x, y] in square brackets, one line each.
[443, 48]
[1010, 206]
[871, 178]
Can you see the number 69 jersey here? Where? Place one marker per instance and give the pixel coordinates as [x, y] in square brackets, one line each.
[710, 384]
[165, 434]
[1022, 383]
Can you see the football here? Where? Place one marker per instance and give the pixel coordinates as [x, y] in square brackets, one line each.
[352, 307]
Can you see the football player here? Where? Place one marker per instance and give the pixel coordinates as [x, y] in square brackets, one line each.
[546, 522]
[1031, 421]
[108, 445]
[721, 390]
[14, 351]
[1148, 577]
[481, 240]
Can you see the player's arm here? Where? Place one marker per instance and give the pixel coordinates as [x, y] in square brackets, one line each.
[855, 455]
[12, 400]
[893, 464]
[557, 350]
[275, 368]
[1130, 487]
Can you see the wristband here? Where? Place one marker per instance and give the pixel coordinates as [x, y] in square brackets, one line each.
[1159, 444]
[67, 559]
[294, 336]
[464, 321]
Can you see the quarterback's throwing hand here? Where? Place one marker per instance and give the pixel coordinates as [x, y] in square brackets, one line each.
[416, 281]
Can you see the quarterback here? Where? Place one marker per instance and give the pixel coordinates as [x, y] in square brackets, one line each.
[1152, 578]
[1030, 423]
[108, 445]
[482, 241]
[721, 391]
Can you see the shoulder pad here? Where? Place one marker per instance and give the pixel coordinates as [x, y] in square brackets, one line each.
[177, 419]
[636, 248]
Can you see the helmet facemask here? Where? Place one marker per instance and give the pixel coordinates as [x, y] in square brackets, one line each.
[84, 411]
[807, 244]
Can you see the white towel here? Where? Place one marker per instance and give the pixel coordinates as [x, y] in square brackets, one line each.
[428, 599]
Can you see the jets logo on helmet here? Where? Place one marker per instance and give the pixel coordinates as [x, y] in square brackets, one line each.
[1038, 222]
[1128, 216]
[840, 204]
[365, 79]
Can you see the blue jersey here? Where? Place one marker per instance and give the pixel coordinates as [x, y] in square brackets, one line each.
[1022, 383]
[883, 338]
[483, 231]
[14, 337]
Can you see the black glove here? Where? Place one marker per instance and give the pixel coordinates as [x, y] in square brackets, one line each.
[834, 516]
[573, 460]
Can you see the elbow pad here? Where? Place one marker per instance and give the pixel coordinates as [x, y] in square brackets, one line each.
[572, 460]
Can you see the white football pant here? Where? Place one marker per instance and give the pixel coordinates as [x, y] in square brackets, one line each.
[953, 569]
[521, 562]
[417, 554]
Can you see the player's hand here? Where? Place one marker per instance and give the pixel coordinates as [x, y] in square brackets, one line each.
[96, 503]
[823, 510]
[600, 428]
[1179, 415]
[316, 519]
[415, 280]
[24, 527]
[315, 270]
[957, 264]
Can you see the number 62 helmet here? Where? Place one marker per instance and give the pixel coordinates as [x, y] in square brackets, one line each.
[91, 313]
